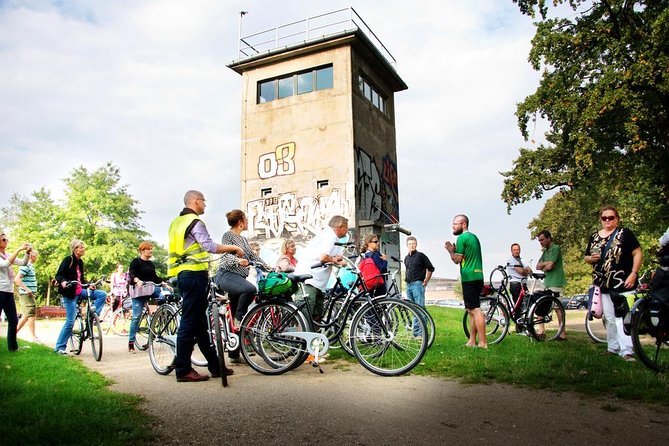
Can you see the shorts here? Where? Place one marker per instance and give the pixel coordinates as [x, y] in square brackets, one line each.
[27, 304]
[471, 294]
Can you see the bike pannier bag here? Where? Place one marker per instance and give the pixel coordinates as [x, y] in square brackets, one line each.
[274, 285]
[544, 307]
[127, 303]
[370, 273]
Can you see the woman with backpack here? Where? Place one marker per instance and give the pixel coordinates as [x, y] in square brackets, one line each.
[374, 280]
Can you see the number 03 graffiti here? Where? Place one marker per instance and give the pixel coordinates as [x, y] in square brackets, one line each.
[277, 163]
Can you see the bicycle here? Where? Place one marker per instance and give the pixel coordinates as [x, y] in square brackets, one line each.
[540, 314]
[279, 329]
[162, 335]
[648, 325]
[91, 329]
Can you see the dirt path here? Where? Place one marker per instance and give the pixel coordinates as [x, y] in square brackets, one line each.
[348, 405]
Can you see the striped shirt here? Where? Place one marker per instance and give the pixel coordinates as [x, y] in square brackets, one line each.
[28, 278]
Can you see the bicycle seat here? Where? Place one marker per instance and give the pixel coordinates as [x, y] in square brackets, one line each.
[299, 277]
[538, 275]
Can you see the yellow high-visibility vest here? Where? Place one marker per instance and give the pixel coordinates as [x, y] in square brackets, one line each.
[193, 258]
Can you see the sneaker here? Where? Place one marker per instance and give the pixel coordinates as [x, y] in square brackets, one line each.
[237, 360]
[629, 358]
[131, 347]
[61, 352]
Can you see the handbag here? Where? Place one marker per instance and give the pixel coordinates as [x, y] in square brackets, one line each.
[145, 289]
[620, 305]
[595, 307]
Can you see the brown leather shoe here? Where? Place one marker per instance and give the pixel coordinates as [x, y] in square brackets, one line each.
[192, 377]
[228, 372]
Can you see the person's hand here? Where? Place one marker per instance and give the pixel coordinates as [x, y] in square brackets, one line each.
[240, 252]
[384, 257]
[450, 247]
[243, 262]
[139, 282]
[594, 258]
[630, 281]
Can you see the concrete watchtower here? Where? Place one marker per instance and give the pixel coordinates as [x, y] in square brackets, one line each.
[318, 130]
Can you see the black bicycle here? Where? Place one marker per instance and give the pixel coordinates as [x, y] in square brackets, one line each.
[86, 323]
[539, 314]
[648, 323]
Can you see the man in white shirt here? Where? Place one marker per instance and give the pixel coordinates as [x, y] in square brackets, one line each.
[517, 271]
[320, 249]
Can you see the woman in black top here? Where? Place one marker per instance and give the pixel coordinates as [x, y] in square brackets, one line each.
[141, 270]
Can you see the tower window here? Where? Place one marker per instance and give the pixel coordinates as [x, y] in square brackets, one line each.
[306, 81]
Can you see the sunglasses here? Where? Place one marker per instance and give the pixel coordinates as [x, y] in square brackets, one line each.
[607, 217]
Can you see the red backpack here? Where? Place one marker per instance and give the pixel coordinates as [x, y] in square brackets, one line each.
[370, 273]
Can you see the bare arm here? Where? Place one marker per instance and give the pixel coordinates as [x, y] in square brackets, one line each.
[636, 264]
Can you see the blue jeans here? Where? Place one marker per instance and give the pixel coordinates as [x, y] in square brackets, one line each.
[416, 293]
[193, 325]
[70, 304]
[8, 305]
[137, 307]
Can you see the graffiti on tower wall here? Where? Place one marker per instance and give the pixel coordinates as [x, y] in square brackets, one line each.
[290, 215]
[375, 191]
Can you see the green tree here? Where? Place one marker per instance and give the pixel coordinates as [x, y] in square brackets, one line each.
[604, 93]
[96, 209]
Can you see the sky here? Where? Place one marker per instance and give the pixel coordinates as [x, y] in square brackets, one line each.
[144, 84]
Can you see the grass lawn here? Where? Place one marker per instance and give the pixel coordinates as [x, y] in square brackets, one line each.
[50, 399]
[576, 365]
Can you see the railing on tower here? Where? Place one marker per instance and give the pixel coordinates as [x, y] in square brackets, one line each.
[307, 30]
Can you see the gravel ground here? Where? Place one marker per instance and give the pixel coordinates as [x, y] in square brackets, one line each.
[348, 405]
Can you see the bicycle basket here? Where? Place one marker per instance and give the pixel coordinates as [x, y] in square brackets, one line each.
[275, 285]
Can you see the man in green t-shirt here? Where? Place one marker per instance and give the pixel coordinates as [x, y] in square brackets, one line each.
[467, 253]
[550, 263]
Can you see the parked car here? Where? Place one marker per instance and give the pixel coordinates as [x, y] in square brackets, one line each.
[449, 303]
[578, 302]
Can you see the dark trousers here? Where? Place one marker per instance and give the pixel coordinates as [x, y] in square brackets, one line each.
[240, 291]
[8, 305]
[193, 325]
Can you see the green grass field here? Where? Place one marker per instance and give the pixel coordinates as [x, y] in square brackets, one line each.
[51, 399]
[576, 365]
[75, 406]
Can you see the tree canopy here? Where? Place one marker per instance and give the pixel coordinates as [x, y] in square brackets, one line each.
[604, 92]
[96, 209]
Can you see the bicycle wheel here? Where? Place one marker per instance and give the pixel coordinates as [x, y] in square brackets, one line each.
[106, 318]
[95, 334]
[120, 324]
[76, 340]
[142, 335]
[496, 318]
[545, 320]
[345, 319]
[596, 329]
[215, 320]
[266, 340]
[163, 339]
[651, 343]
[381, 344]
[427, 320]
